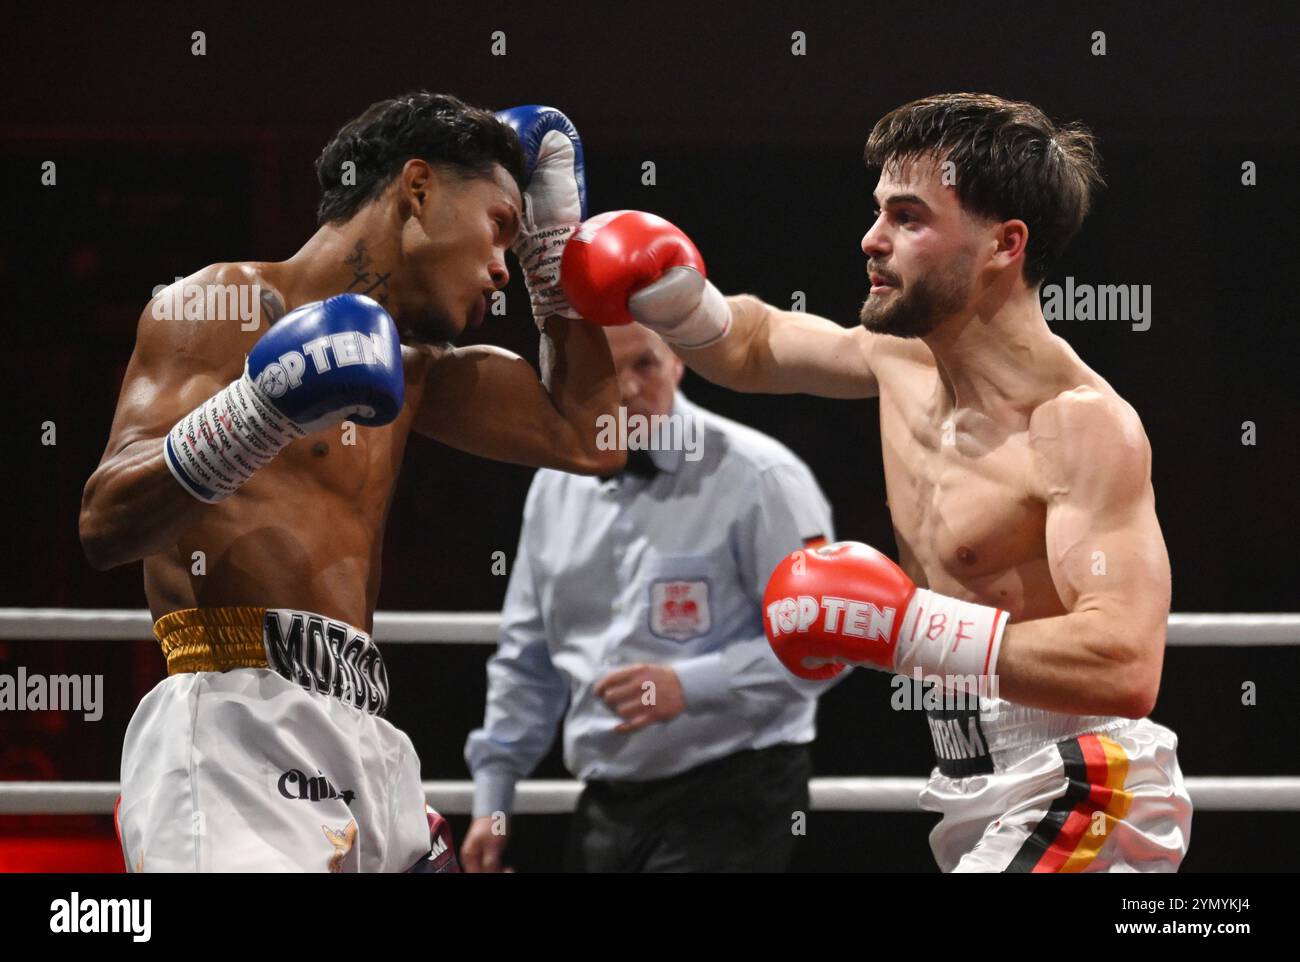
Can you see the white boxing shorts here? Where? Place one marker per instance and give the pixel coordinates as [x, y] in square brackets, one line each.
[263, 751]
[1027, 790]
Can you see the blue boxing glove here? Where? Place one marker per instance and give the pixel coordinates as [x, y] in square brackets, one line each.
[555, 202]
[331, 360]
[319, 365]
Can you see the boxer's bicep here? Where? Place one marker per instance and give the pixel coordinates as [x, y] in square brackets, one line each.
[1104, 546]
[490, 402]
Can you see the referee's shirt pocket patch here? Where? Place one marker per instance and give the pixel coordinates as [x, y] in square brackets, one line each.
[679, 609]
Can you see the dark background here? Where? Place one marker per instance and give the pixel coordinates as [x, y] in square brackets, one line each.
[167, 162]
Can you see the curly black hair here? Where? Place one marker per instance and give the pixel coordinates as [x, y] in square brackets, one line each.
[438, 128]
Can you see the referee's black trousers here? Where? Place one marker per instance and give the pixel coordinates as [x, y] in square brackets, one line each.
[733, 814]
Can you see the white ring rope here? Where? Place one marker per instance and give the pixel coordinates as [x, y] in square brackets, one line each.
[889, 794]
[480, 627]
[875, 794]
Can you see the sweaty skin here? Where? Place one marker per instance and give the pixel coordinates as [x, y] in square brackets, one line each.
[1015, 475]
[306, 531]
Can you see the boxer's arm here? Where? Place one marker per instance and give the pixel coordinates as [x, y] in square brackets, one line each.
[1108, 561]
[132, 506]
[490, 402]
[770, 351]
[625, 264]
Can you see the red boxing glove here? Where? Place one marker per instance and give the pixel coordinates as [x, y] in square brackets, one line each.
[613, 255]
[846, 603]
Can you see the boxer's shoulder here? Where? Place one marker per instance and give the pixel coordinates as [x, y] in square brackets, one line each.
[249, 274]
[419, 363]
[209, 318]
[219, 293]
[448, 361]
[1082, 410]
[1087, 432]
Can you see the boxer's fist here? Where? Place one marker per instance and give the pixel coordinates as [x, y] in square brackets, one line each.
[846, 603]
[329, 361]
[318, 365]
[838, 604]
[627, 265]
[555, 201]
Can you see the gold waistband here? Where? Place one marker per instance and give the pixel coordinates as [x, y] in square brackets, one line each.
[211, 639]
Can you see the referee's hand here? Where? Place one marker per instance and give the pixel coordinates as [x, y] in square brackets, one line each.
[485, 842]
[641, 695]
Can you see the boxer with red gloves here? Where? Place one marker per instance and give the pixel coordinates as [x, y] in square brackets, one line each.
[1018, 480]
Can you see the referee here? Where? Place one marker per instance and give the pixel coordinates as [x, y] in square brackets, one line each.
[634, 612]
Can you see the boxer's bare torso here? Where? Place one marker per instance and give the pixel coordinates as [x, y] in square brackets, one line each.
[968, 490]
[306, 532]
[1016, 477]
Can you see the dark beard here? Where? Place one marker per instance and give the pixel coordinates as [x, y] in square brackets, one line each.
[917, 309]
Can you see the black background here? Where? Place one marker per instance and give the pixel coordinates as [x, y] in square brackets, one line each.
[167, 162]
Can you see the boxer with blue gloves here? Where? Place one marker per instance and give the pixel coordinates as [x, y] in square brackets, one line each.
[252, 461]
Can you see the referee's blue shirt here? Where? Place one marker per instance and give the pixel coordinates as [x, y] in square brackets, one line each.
[666, 570]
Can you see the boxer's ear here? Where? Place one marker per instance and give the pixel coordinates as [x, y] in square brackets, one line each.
[417, 186]
[1009, 242]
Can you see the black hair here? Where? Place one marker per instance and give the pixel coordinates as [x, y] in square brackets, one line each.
[437, 128]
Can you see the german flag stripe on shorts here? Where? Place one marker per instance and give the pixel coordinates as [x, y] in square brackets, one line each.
[1079, 822]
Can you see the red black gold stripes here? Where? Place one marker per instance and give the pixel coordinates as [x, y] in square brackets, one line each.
[1079, 822]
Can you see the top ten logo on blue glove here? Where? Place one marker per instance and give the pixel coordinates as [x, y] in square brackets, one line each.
[334, 358]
